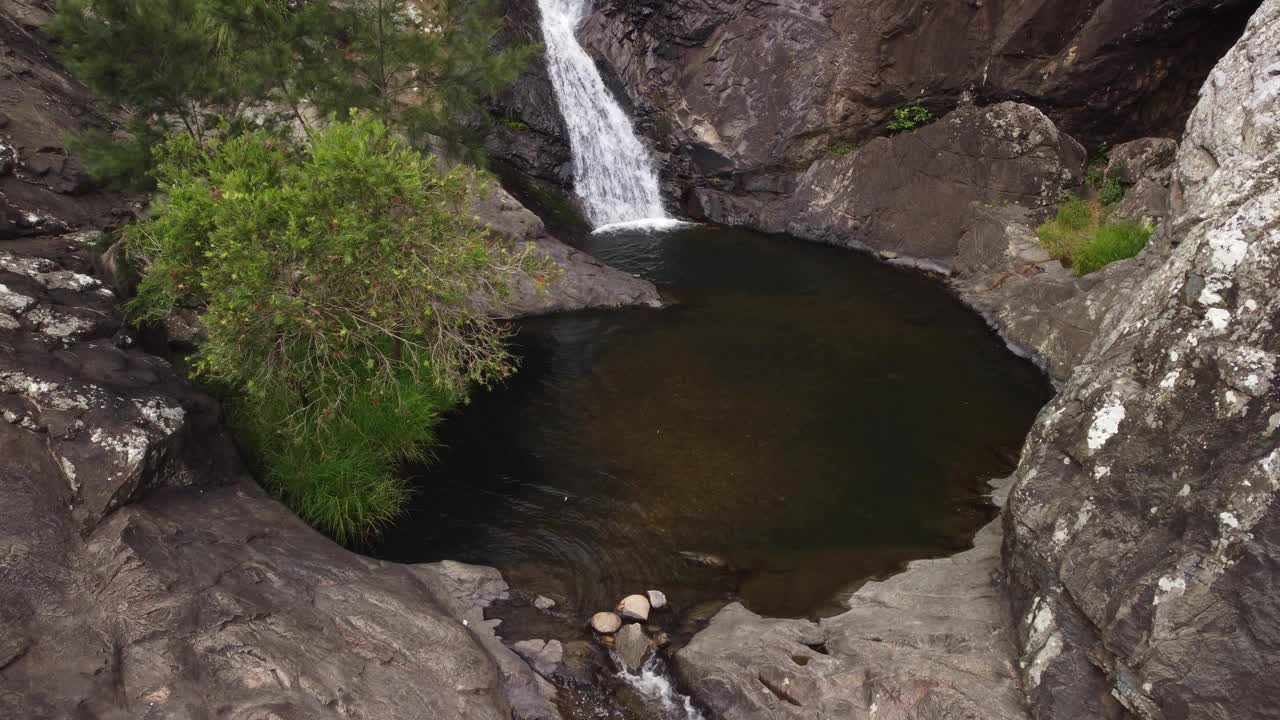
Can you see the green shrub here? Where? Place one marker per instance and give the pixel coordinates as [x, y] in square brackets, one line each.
[339, 473]
[910, 118]
[1110, 193]
[1081, 236]
[515, 125]
[342, 283]
[1109, 243]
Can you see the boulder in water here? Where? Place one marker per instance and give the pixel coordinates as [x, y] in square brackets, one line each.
[542, 602]
[657, 599]
[606, 623]
[632, 648]
[634, 607]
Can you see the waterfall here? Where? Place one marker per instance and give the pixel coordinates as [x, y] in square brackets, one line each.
[613, 173]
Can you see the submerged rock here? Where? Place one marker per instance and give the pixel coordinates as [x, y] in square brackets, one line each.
[606, 623]
[632, 647]
[543, 602]
[634, 607]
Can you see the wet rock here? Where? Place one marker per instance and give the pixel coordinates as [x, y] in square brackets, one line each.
[43, 189]
[692, 71]
[545, 657]
[657, 599]
[581, 662]
[582, 282]
[543, 602]
[1040, 307]
[606, 623]
[634, 607]
[632, 647]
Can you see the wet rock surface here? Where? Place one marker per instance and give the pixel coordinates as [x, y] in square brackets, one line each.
[582, 282]
[903, 194]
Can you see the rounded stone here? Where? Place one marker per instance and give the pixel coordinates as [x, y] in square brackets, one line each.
[634, 607]
[606, 623]
[542, 602]
[657, 599]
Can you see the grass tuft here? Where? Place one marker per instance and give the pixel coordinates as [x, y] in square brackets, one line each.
[1082, 237]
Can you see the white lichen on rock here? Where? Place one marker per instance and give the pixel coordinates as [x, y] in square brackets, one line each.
[1106, 423]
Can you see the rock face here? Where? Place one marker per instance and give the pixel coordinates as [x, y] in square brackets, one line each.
[43, 188]
[903, 194]
[691, 69]
[931, 642]
[1142, 536]
[1041, 308]
[144, 574]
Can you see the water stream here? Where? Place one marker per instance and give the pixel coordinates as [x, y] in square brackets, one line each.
[613, 172]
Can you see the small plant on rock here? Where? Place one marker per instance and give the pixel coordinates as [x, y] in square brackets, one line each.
[1110, 193]
[910, 118]
[841, 149]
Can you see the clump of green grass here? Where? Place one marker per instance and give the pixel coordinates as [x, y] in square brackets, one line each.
[1111, 242]
[841, 149]
[1081, 236]
[515, 124]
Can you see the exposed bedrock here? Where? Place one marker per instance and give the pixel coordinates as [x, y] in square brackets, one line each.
[143, 574]
[743, 97]
[904, 194]
[1142, 540]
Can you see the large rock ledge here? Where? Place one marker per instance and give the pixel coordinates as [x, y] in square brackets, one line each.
[143, 574]
[1142, 537]
[931, 642]
[1139, 540]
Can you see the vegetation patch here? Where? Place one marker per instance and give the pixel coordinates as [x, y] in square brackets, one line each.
[910, 118]
[343, 284]
[339, 271]
[1082, 236]
[842, 149]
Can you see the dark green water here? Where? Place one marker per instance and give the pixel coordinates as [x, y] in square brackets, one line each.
[807, 414]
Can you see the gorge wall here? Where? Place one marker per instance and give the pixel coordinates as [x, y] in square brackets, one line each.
[740, 98]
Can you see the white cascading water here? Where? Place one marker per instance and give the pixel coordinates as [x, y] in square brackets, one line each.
[654, 686]
[613, 173]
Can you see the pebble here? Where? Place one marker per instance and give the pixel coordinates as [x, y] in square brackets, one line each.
[606, 622]
[634, 607]
[543, 602]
